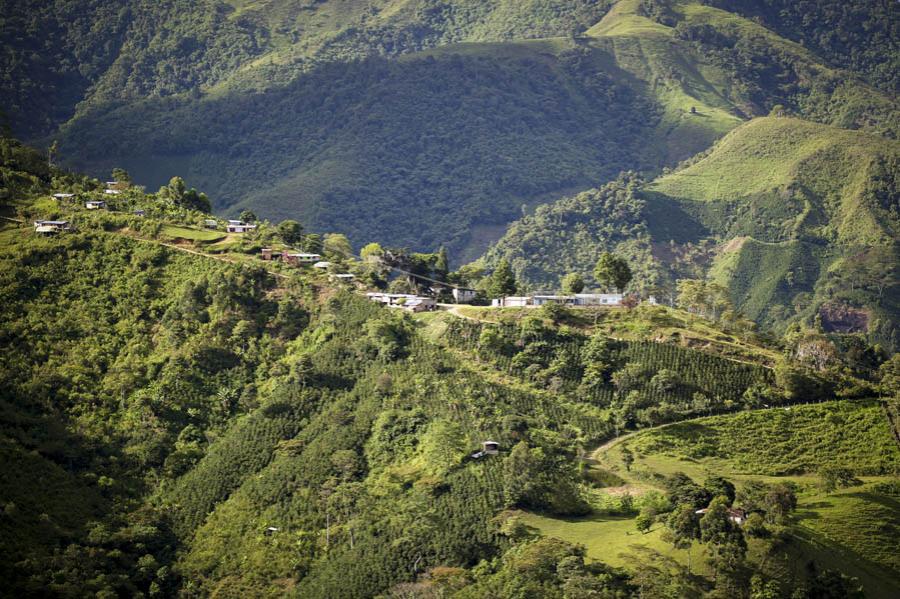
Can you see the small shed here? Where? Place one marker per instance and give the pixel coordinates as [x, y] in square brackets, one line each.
[112, 192]
[490, 447]
[301, 258]
[139, 213]
[322, 265]
[269, 254]
[95, 204]
[345, 277]
[211, 223]
[462, 295]
[63, 196]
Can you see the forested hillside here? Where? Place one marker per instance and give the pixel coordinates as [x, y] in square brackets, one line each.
[265, 106]
[179, 417]
[794, 219]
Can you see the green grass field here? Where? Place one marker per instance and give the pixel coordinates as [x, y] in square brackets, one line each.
[854, 529]
[190, 234]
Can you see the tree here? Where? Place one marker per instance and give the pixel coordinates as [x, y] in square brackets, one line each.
[502, 281]
[312, 243]
[178, 194]
[336, 245]
[643, 522]
[612, 271]
[52, 152]
[248, 216]
[441, 265]
[725, 543]
[720, 487]
[682, 490]
[761, 588]
[291, 231]
[573, 283]
[682, 528]
[627, 458]
[120, 175]
[371, 252]
[834, 477]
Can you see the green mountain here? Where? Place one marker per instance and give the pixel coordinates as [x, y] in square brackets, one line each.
[794, 218]
[179, 417]
[354, 116]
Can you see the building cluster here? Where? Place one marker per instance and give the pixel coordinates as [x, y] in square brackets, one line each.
[578, 299]
[294, 258]
[238, 226]
[404, 301]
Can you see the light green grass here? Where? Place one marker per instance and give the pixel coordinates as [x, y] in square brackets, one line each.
[780, 442]
[762, 155]
[608, 539]
[202, 235]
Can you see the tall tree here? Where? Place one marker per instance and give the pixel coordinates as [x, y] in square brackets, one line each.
[441, 265]
[337, 245]
[291, 231]
[502, 281]
[573, 283]
[612, 271]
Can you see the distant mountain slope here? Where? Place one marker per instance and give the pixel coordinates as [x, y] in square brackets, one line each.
[861, 35]
[807, 217]
[360, 116]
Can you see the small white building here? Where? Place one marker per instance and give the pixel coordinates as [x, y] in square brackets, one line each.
[345, 277]
[598, 299]
[211, 223]
[238, 226]
[300, 258]
[511, 301]
[63, 196]
[322, 265]
[50, 227]
[112, 192]
[563, 300]
[462, 295]
[95, 204]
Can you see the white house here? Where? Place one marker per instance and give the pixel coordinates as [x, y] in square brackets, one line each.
[598, 299]
[95, 204]
[345, 277]
[301, 258]
[322, 265]
[565, 300]
[238, 226]
[511, 301]
[112, 192]
[463, 296]
[63, 196]
[49, 227]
